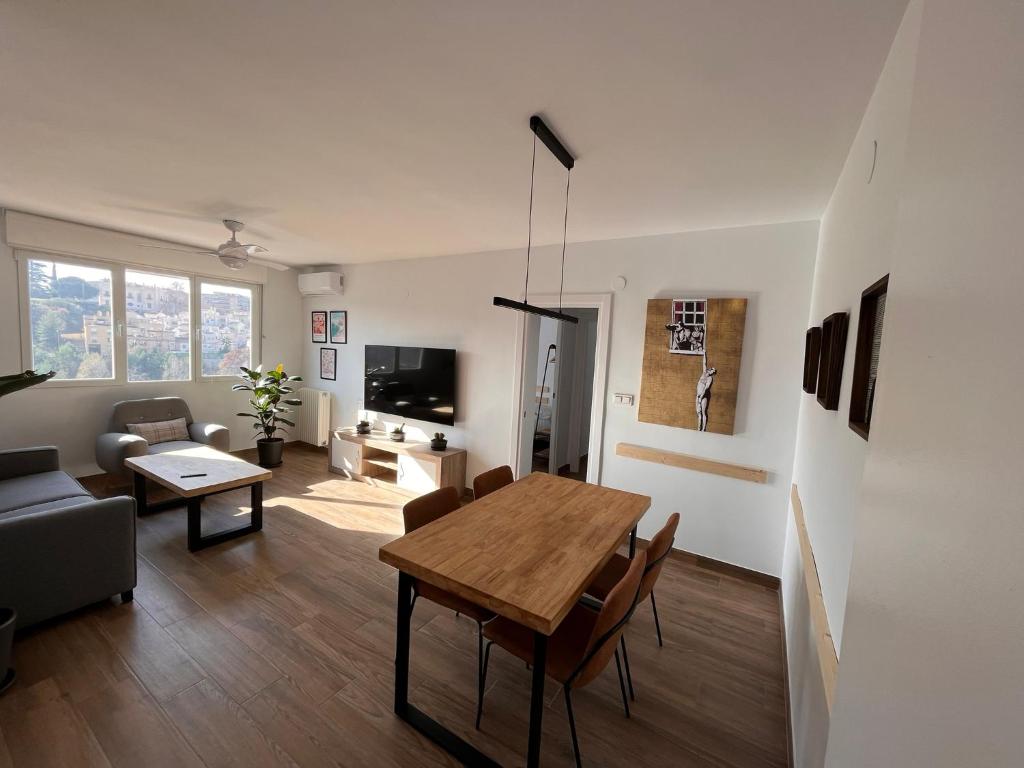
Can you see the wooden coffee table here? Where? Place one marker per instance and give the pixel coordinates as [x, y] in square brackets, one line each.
[193, 474]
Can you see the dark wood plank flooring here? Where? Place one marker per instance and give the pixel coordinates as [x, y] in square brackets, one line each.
[277, 649]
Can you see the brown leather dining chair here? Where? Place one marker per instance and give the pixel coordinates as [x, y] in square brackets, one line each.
[427, 509]
[492, 480]
[579, 649]
[613, 571]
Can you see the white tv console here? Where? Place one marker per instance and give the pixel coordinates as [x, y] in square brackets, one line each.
[410, 467]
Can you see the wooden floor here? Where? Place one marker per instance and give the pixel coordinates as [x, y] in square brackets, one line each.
[277, 649]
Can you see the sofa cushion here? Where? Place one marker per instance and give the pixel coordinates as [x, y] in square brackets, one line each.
[160, 431]
[46, 506]
[42, 487]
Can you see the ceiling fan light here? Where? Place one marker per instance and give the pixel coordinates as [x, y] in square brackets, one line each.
[233, 262]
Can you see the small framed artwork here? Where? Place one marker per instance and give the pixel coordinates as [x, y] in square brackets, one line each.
[319, 327]
[830, 366]
[328, 363]
[812, 353]
[339, 326]
[865, 364]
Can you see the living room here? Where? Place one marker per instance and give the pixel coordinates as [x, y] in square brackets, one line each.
[371, 209]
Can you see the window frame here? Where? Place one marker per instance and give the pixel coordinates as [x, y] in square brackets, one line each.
[188, 278]
[119, 325]
[255, 326]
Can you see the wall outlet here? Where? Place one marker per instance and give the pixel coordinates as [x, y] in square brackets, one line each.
[621, 399]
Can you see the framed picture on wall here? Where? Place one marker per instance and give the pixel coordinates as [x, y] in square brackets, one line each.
[328, 363]
[339, 326]
[319, 327]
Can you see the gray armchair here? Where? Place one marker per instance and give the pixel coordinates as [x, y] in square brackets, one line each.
[118, 444]
[60, 548]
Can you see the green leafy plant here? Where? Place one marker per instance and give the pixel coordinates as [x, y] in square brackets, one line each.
[439, 436]
[399, 430]
[268, 398]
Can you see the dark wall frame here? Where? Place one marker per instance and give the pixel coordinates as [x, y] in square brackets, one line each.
[830, 367]
[812, 355]
[861, 400]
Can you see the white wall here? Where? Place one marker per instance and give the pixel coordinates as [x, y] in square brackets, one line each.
[446, 302]
[855, 248]
[931, 673]
[71, 417]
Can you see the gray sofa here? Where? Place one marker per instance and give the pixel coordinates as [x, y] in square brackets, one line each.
[118, 444]
[60, 548]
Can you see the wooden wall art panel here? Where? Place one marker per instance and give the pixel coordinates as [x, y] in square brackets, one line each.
[691, 368]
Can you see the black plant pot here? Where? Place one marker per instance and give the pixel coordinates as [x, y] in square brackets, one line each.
[363, 430]
[398, 437]
[438, 445]
[270, 450]
[8, 617]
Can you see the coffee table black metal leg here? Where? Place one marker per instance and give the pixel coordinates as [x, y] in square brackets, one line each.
[256, 505]
[540, 663]
[462, 750]
[195, 523]
[140, 493]
[632, 543]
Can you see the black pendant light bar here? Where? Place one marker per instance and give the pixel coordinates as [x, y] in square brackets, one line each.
[535, 310]
[539, 127]
[542, 132]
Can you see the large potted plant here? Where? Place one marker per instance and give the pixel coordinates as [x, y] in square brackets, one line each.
[268, 401]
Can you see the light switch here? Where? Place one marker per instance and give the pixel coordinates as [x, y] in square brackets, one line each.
[622, 399]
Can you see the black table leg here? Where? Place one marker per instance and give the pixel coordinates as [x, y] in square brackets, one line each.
[632, 543]
[140, 493]
[540, 663]
[196, 540]
[402, 645]
[256, 505]
[195, 523]
[462, 750]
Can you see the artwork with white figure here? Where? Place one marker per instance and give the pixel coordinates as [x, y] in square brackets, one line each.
[707, 378]
[692, 381]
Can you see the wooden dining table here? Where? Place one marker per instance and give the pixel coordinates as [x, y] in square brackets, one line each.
[526, 552]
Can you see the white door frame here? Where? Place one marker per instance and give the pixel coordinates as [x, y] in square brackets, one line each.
[602, 302]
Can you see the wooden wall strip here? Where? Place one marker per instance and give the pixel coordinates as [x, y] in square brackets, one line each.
[827, 658]
[682, 460]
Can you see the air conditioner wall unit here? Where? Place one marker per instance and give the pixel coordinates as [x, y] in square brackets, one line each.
[321, 284]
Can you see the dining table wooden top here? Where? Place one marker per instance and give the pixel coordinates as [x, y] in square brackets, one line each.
[526, 551]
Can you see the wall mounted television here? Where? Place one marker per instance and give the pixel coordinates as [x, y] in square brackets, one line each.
[411, 382]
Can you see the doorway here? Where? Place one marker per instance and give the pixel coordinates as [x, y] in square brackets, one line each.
[560, 418]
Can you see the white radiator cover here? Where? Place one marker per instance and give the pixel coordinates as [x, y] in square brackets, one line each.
[314, 416]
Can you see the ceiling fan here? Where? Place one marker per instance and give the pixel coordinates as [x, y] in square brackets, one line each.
[232, 254]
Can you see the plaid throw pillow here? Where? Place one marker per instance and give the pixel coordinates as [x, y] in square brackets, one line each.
[160, 431]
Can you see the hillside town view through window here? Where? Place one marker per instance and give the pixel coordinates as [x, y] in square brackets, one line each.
[73, 322]
[226, 328]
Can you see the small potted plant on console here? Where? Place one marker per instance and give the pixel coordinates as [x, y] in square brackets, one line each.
[438, 443]
[398, 434]
[363, 427]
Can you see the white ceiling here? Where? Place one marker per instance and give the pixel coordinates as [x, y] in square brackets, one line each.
[356, 131]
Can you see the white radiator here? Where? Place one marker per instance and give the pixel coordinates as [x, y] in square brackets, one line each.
[314, 416]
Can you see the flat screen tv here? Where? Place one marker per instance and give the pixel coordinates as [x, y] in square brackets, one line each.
[411, 382]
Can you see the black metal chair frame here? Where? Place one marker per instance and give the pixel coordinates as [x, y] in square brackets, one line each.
[567, 685]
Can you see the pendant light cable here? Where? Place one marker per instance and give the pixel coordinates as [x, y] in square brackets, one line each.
[529, 226]
[565, 229]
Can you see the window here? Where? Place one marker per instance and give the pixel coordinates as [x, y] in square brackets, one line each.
[70, 319]
[158, 326]
[227, 328]
[96, 322]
